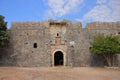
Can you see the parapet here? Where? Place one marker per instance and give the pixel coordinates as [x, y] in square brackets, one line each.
[103, 25]
[25, 25]
[39, 25]
[77, 24]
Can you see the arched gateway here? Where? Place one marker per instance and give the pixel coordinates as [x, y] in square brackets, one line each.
[58, 58]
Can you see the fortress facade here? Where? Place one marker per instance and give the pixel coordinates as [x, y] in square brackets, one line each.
[54, 43]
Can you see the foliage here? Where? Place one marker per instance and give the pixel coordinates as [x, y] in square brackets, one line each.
[3, 24]
[4, 37]
[106, 45]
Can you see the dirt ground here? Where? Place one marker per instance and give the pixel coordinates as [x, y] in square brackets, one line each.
[58, 73]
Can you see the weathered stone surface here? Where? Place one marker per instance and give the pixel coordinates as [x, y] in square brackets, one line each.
[74, 43]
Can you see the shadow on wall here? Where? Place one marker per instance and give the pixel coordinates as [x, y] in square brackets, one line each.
[5, 56]
[99, 61]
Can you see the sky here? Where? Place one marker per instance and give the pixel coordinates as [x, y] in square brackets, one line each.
[85, 11]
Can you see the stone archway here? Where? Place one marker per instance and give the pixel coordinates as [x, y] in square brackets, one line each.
[58, 58]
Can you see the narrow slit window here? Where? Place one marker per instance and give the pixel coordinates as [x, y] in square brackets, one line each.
[35, 45]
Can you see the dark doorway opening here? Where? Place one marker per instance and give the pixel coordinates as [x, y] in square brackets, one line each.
[58, 58]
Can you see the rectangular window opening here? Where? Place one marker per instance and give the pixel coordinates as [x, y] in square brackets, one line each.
[35, 45]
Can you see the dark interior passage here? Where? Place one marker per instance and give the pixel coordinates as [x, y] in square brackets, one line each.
[58, 58]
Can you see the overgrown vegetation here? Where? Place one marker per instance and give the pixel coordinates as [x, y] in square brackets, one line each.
[106, 45]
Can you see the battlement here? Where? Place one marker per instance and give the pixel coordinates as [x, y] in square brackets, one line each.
[103, 25]
[25, 25]
[38, 25]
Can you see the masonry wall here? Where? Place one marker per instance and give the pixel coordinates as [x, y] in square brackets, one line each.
[74, 42]
[24, 36]
[77, 45]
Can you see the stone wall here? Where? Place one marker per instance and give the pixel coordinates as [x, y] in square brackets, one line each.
[74, 43]
[24, 36]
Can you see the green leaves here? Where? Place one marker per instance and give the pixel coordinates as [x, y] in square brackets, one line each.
[103, 44]
[106, 45]
[4, 37]
[3, 24]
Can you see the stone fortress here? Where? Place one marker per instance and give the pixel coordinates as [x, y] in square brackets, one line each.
[56, 43]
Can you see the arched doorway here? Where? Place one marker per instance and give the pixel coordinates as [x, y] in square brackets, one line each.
[58, 58]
